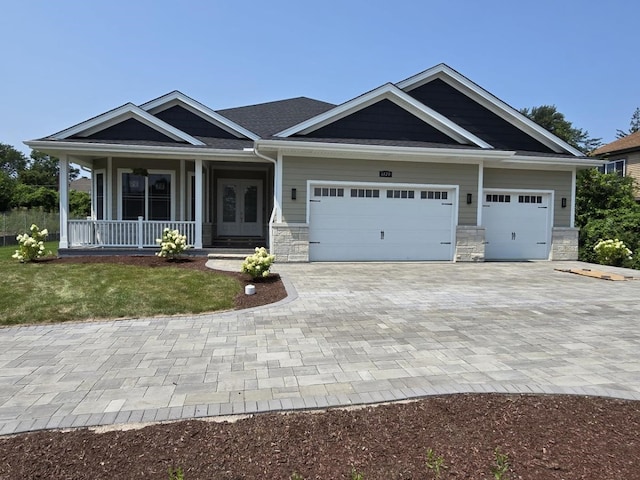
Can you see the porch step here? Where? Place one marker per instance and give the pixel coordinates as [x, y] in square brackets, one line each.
[228, 256]
[239, 242]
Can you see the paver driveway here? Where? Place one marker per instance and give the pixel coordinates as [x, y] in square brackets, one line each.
[356, 333]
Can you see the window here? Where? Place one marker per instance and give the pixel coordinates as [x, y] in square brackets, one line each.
[148, 196]
[365, 193]
[328, 192]
[433, 195]
[529, 199]
[401, 193]
[498, 198]
[99, 205]
[615, 166]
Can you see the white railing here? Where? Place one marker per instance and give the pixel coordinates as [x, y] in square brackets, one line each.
[124, 233]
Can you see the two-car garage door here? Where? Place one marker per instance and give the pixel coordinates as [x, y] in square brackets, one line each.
[381, 222]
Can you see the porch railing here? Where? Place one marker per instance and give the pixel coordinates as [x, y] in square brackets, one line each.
[124, 233]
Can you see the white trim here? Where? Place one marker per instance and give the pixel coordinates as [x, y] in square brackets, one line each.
[199, 193]
[278, 179]
[190, 193]
[109, 192]
[489, 101]
[480, 189]
[172, 214]
[57, 148]
[94, 193]
[392, 93]
[63, 164]
[177, 98]
[572, 216]
[125, 112]
[183, 190]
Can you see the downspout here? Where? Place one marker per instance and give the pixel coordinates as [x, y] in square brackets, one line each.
[276, 184]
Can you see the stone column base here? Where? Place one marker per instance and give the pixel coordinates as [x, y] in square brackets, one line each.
[564, 243]
[290, 242]
[469, 244]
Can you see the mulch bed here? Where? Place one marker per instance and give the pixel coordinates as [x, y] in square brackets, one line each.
[268, 290]
[542, 436]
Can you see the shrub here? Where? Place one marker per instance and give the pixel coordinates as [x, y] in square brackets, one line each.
[31, 246]
[172, 244]
[258, 264]
[612, 252]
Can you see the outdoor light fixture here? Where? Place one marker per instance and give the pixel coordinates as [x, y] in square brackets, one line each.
[564, 202]
[294, 194]
[469, 198]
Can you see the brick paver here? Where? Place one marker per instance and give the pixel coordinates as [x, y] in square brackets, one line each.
[349, 334]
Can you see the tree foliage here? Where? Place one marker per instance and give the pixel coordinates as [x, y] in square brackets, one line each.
[548, 117]
[634, 125]
[12, 161]
[606, 209]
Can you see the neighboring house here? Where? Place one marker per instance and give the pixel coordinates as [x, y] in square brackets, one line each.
[82, 184]
[622, 156]
[431, 168]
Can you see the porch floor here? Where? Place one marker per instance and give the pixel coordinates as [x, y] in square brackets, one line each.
[129, 251]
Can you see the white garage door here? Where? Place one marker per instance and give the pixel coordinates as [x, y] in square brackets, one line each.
[379, 222]
[516, 225]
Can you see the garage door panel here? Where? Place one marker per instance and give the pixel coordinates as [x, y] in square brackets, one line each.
[381, 228]
[516, 225]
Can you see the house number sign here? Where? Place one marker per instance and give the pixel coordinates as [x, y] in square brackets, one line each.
[386, 173]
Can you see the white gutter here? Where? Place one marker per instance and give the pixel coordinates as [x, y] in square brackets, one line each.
[277, 191]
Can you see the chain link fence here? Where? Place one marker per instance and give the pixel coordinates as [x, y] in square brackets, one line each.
[19, 221]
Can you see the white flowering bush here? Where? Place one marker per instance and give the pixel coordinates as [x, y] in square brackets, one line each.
[31, 246]
[172, 244]
[258, 264]
[612, 252]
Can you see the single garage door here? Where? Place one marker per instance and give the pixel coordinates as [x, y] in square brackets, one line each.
[517, 225]
[379, 222]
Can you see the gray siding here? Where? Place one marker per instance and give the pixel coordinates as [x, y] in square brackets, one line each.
[559, 182]
[297, 170]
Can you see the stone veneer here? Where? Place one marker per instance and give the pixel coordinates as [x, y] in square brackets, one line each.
[290, 242]
[564, 243]
[469, 244]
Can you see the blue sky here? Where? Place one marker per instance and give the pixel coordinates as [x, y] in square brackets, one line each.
[68, 60]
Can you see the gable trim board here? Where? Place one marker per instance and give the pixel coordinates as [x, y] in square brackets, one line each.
[120, 114]
[452, 135]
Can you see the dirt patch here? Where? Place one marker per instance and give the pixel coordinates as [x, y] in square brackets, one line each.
[268, 290]
[543, 437]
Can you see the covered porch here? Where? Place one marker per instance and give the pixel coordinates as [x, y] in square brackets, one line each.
[222, 201]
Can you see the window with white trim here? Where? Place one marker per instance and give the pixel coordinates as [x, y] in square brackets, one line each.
[401, 193]
[328, 192]
[99, 203]
[614, 166]
[365, 193]
[433, 195]
[148, 196]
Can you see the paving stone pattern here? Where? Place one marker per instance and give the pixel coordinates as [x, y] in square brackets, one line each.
[350, 334]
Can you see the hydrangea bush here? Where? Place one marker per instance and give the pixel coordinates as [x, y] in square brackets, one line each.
[31, 246]
[258, 264]
[172, 244]
[612, 252]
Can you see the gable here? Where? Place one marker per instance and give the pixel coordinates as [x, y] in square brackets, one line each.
[383, 120]
[191, 123]
[129, 129]
[455, 105]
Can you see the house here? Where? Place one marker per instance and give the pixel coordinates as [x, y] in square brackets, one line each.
[430, 168]
[82, 184]
[623, 157]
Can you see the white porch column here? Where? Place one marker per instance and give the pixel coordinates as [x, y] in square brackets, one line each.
[480, 189]
[183, 191]
[572, 220]
[63, 163]
[199, 203]
[277, 180]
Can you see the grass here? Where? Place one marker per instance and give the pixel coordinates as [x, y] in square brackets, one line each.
[46, 292]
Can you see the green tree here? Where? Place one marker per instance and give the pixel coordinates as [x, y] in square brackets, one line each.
[79, 204]
[12, 161]
[548, 117]
[7, 185]
[606, 209]
[634, 125]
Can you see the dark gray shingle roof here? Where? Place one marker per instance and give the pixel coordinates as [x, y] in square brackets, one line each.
[265, 119]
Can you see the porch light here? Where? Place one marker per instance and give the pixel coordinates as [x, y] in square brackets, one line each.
[469, 198]
[564, 202]
[294, 194]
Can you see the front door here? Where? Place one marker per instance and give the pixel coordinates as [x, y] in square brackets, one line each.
[239, 207]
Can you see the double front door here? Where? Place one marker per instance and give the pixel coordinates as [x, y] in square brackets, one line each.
[239, 207]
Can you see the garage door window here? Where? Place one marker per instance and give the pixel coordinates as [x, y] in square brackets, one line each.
[433, 195]
[401, 194]
[499, 198]
[529, 199]
[365, 193]
[328, 192]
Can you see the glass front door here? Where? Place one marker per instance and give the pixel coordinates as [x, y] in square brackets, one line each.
[239, 207]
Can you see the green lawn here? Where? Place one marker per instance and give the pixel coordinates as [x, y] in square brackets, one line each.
[47, 292]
